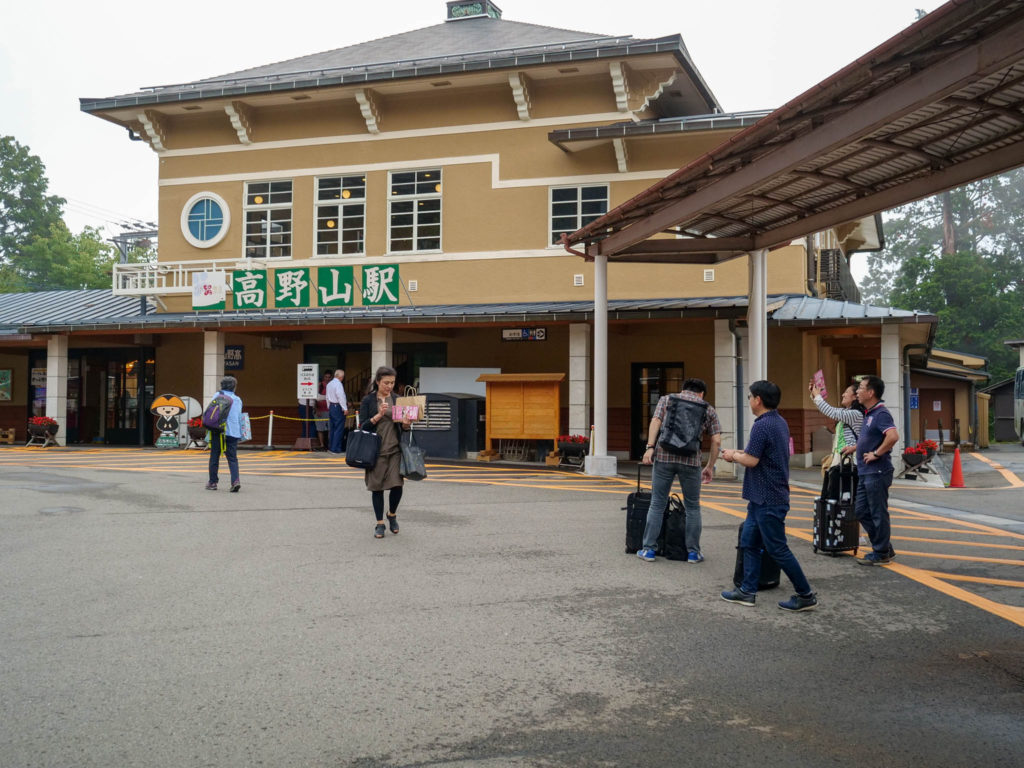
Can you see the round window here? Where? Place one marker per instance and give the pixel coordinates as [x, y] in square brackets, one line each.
[205, 219]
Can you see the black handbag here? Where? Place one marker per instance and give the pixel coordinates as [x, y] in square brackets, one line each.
[362, 449]
[413, 465]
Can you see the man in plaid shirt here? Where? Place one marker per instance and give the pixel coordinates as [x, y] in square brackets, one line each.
[668, 466]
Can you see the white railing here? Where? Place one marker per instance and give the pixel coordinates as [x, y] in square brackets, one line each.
[167, 277]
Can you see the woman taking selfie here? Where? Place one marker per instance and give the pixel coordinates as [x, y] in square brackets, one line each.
[375, 416]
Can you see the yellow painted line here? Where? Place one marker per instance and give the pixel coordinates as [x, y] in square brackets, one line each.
[1009, 612]
[1015, 482]
[948, 530]
[959, 543]
[975, 579]
[968, 558]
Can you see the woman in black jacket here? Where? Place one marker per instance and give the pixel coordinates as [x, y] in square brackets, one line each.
[375, 416]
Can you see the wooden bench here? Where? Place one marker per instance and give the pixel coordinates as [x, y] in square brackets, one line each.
[7, 435]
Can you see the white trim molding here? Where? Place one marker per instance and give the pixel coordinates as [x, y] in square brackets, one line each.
[521, 93]
[187, 209]
[369, 106]
[241, 120]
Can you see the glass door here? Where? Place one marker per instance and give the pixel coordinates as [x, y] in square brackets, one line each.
[649, 382]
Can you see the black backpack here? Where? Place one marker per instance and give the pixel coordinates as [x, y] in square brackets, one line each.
[683, 425]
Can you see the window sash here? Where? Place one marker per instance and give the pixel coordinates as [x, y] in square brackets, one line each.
[574, 207]
[414, 211]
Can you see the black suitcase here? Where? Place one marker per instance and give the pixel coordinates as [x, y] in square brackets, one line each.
[835, 528]
[637, 504]
[671, 540]
[770, 571]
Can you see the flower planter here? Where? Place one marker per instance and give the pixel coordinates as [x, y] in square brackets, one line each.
[42, 430]
[197, 433]
[913, 459]
[574, 449]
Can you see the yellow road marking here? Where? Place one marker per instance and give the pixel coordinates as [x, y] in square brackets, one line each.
[974, 579]
[959, 543]
[1015, 482]
[1008, 612]
[968, 558]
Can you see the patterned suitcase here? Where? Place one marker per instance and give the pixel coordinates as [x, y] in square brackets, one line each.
[835, 528]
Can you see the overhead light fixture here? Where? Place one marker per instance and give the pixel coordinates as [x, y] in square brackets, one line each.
[330, 223]
[258, 200]
[346, 194]
[437, 187]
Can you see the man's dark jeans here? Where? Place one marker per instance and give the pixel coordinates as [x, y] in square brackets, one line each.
[230, 452]
[337, 417]
[765, 527]
[872, 509]
[662, 475]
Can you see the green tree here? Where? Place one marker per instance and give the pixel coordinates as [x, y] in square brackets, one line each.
[26, 210]
[960, 256]
[65, 261]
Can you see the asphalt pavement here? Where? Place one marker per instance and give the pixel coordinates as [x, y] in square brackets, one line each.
[145, 621]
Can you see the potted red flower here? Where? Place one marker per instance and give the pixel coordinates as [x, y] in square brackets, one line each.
[573, 445]
[196, 430]
[912, 456]
[42, 425]
[930, 447]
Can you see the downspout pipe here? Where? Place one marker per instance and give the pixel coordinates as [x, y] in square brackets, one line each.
[906, 388]
[740, 399]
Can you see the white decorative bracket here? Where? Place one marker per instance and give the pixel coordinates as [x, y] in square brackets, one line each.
[520, 93]
[620, 85]
[621, 158]
[370, 108]
[153, 129]
[241, 120]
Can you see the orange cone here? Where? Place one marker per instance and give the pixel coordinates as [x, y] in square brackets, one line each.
[956, 479]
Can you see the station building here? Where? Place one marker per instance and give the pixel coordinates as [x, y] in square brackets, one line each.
[401, 201]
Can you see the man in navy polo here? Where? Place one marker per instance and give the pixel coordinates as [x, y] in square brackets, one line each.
[766, 489]
[874, 470]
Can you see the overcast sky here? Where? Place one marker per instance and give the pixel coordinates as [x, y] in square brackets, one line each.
[754, 54]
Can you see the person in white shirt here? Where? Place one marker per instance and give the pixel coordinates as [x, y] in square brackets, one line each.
[337, 409]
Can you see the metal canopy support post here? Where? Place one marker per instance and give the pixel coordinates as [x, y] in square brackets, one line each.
[599, 462]
[757, 320]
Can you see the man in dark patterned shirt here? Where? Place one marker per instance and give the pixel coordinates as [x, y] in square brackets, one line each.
[668, 466]
[766, 489]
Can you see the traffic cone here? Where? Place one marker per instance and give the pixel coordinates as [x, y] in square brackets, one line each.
[956, 479]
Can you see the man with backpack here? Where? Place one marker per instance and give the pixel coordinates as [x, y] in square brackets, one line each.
[223, 419]
[674, 437]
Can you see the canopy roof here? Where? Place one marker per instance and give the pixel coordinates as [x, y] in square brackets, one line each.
[937, 106]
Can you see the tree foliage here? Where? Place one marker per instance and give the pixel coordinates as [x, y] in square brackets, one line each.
[26, 210]
[975, 284]
[65, 261]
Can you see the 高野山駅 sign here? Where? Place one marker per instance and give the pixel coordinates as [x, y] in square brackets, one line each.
[297, 288]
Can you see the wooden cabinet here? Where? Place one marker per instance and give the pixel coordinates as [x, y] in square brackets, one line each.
[522, 406]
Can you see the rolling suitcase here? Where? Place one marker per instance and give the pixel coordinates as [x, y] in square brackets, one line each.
[637, 504]
[835, 528]
[770, 571]
[671, 540]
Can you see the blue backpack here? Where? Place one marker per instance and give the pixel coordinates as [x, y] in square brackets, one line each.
[215, 417]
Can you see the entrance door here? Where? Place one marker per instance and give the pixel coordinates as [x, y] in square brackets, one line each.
[649, 382]
[936, 405]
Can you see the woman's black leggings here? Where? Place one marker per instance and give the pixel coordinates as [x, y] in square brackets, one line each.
[394, 496]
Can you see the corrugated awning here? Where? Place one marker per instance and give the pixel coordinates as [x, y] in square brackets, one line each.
[937, 106]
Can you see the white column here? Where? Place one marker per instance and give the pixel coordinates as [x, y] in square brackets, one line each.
[725, 391]
[579, 379]
[57, 384]
[744, 385]
[757, 319]
[892, 375]
[213, 363]
[380, 348]
[600, 463]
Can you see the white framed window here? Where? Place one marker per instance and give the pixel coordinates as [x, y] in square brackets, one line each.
[268, 219]
[414, 211]
[575, 207]
[205, 219]
[341, 216]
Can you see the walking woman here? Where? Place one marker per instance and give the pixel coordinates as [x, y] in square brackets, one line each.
[375, 416]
